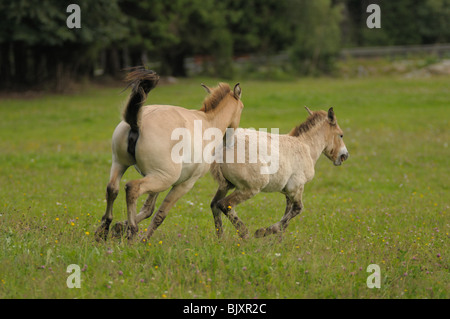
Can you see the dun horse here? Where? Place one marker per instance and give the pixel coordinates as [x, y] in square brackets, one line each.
[298, 153]
[143, 139]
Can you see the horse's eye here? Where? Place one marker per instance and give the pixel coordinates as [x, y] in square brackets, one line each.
[342, 136]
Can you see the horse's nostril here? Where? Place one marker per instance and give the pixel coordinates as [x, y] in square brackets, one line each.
[344, 157]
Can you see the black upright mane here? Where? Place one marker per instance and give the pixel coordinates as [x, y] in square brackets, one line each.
[216, 96]
[310, 122]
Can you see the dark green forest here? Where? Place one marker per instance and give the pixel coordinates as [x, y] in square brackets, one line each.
[37, 48]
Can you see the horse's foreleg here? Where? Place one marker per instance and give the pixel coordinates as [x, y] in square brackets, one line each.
[146, 211]
[112, 190]
[217, 213]
[293, 208]
[172, 197]
[149, 184]
[148, 207]
[227, 204]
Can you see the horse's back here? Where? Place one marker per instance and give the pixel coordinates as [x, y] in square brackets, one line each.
[279, 161]
[167, 117]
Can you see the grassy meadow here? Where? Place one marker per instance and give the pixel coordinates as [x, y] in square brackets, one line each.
[387, 205]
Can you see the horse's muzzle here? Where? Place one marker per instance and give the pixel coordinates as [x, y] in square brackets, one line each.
[343, 156]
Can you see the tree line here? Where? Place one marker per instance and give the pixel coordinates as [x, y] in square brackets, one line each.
[38, 49]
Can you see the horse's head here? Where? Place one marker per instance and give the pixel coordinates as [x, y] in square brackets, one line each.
[335, 148]
[224, 94]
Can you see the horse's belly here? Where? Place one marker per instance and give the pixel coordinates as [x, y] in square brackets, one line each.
[190, 170]
[275, 184]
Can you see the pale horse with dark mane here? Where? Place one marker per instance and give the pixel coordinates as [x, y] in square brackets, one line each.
[144, 139]
[297, 155]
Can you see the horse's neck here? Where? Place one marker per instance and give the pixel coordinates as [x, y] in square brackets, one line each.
[315, 139]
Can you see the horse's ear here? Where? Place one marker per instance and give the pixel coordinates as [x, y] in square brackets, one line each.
[208, 90]
[308, 110]
[237, 91]
[331, 117]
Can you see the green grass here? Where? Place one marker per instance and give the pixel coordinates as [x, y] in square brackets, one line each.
[387, 205]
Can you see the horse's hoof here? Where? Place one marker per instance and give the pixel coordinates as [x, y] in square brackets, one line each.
[131, 233]
[260, 233]
[101, 234]
[244, 235]
[119, 229]
[219, 233]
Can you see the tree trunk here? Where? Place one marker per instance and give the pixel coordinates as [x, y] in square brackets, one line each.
[112, 66]
[20, 65]
[5, 66]
[173, 64]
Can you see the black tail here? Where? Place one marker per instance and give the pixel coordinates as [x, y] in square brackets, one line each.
[142, 81]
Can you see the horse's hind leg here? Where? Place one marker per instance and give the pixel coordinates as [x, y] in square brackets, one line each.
[217, 213]
[293, 208]
[112, 190]
[227, 204]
